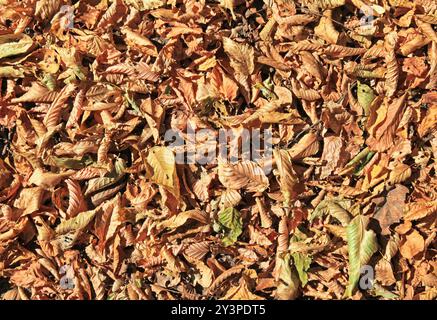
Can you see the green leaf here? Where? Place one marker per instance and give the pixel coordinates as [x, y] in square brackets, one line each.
[380, 291]
[11, 72]
[134, 105]
[365, 96]
[72, 163]
[13, 44]
[266, 88]
[363, 163]
[232, 223]
[336, 207]
[288, 285]
[302, 263]
[49, 81]
[358, 158]
[362, 245]
[77, 223]
[113, 177]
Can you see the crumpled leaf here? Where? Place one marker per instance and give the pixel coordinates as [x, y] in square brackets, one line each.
[302, 262]
[241, 292]
[392, 211]
[288, 280]
[411, 244]
[288, 177]
[241, 55]
[113, 177]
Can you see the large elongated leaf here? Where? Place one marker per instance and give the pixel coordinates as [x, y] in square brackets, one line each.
[337, 208]
[302, 262]
[288, 178]
[79, 222]
[180, 219]
[288, 280]
[13, 44]
[362, 245]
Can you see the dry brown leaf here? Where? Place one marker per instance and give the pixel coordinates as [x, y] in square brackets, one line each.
[393, 210]
[245, 174]
[411, 244]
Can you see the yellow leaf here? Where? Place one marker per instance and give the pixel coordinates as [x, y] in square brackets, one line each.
[163, 163]
[11, 72]
[13, 44]
[365, 96]
[77, 223]
[228, 4]
[181, 218]
[207, 64]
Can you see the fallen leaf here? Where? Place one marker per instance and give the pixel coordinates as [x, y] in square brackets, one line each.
[411, 244]
[393, 210]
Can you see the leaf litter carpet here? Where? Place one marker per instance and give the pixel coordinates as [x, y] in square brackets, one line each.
[96, 202]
